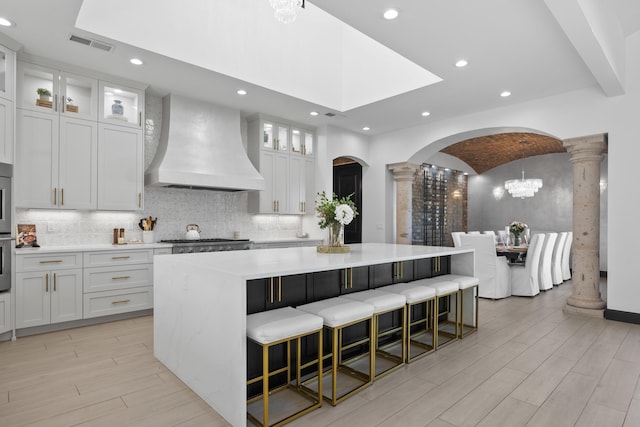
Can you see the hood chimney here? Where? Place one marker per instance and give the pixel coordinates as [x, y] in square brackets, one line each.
[201, 147]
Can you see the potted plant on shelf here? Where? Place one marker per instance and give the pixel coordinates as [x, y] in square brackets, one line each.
[334, 214]
[44, 93]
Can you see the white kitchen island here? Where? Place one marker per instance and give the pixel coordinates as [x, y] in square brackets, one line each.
[200, 308]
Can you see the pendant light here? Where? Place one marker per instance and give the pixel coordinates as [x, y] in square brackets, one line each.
[523, 187]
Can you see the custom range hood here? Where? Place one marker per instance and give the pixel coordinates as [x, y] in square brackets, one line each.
[201, 147]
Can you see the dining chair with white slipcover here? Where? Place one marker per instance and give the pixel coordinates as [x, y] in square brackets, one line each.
[545, 277]
[556, 261]
[524, 278]
[566, 257]
[493, 234]
[455, 235]
[492, 270]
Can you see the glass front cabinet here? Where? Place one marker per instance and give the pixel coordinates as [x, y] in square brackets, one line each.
[121, 105]
[52, 91]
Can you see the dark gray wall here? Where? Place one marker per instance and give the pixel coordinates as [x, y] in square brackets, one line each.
[551, 209]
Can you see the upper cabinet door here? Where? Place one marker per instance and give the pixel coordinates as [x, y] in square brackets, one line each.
[301, 142]
[7, 73]
[38, 88]
[275, 137]
[56, 92]
[78, 96]
[121, 105]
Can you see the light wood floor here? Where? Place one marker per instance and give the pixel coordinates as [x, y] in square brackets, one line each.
[529, 364]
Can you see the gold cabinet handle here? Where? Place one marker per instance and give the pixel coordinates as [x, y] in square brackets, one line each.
[401, 264]
[55, 196]
[140, 200]
[49, 261]
[120, 277]
[279, 288]
[46, 282]
[271, 290]
[274, 205]
[346, 284]
[62, 196]
[351, 278]
[55, 102]
[55, 282]
[122, 301]
[121, 257]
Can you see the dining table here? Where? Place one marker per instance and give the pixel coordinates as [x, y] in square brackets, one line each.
[514, 254]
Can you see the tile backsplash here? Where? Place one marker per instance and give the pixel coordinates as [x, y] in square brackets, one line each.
[219, 214]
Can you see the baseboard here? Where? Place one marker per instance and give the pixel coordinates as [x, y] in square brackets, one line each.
[622, 316]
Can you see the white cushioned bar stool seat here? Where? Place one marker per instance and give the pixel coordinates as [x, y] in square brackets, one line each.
[468, 301]
[279, 327]
[446, 320]
[389, 328]
[420, 310]
[338, 314]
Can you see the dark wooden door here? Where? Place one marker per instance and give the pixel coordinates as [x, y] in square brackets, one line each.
[347, 179]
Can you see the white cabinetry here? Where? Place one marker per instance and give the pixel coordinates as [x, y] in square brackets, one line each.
[7, 106]
[279, 153]
[6, 131]
[56, 154]
[56, 162]
[69, 94]
[120, 162]
[5, 312]
[48, 289]
[65, 159]
[117, 282]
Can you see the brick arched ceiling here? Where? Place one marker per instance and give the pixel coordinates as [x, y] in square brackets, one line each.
[487, 152]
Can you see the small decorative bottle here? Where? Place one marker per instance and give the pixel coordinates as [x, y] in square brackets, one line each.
[117, 109]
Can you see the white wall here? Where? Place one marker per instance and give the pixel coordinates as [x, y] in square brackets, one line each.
[573, 114]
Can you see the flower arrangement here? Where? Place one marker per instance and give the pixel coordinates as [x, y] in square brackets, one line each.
[516, 228]
[335, 214]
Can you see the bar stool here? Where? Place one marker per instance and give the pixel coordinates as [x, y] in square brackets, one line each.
[420, 299]
[468, 285]
[386, 358]
[444, 289]
[338, 314]
[271, 328]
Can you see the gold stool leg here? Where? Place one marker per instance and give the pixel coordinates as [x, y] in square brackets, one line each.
[265, 385]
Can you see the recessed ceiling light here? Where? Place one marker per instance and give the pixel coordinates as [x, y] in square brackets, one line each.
[425, 113]
[117, 90]
[390, 14]
[6, 23]
[314, 113]
[135, 61]
[466, 174]
[505, 94]
[462, 63]
[366, 128]
[241, 92]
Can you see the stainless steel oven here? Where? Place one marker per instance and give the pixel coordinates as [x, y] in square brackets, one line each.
[6, 241]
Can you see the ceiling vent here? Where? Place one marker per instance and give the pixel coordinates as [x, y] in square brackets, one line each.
[91, 43]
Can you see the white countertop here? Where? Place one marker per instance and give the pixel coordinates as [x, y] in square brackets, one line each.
[288, 239]
[284, 261]
[88, 248]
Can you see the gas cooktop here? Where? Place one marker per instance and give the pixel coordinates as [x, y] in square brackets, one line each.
[184, 246]
[197, 241]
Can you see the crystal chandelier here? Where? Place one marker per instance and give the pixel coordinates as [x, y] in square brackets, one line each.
[286, 11]
[523, 187]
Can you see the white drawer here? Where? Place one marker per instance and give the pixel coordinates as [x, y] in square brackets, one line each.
[122, 257]
[114, 302]
[162, 251]
[97, 279]
[44, 262]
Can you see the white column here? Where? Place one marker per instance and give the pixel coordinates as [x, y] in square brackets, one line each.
[404, 174]
[586, 156]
